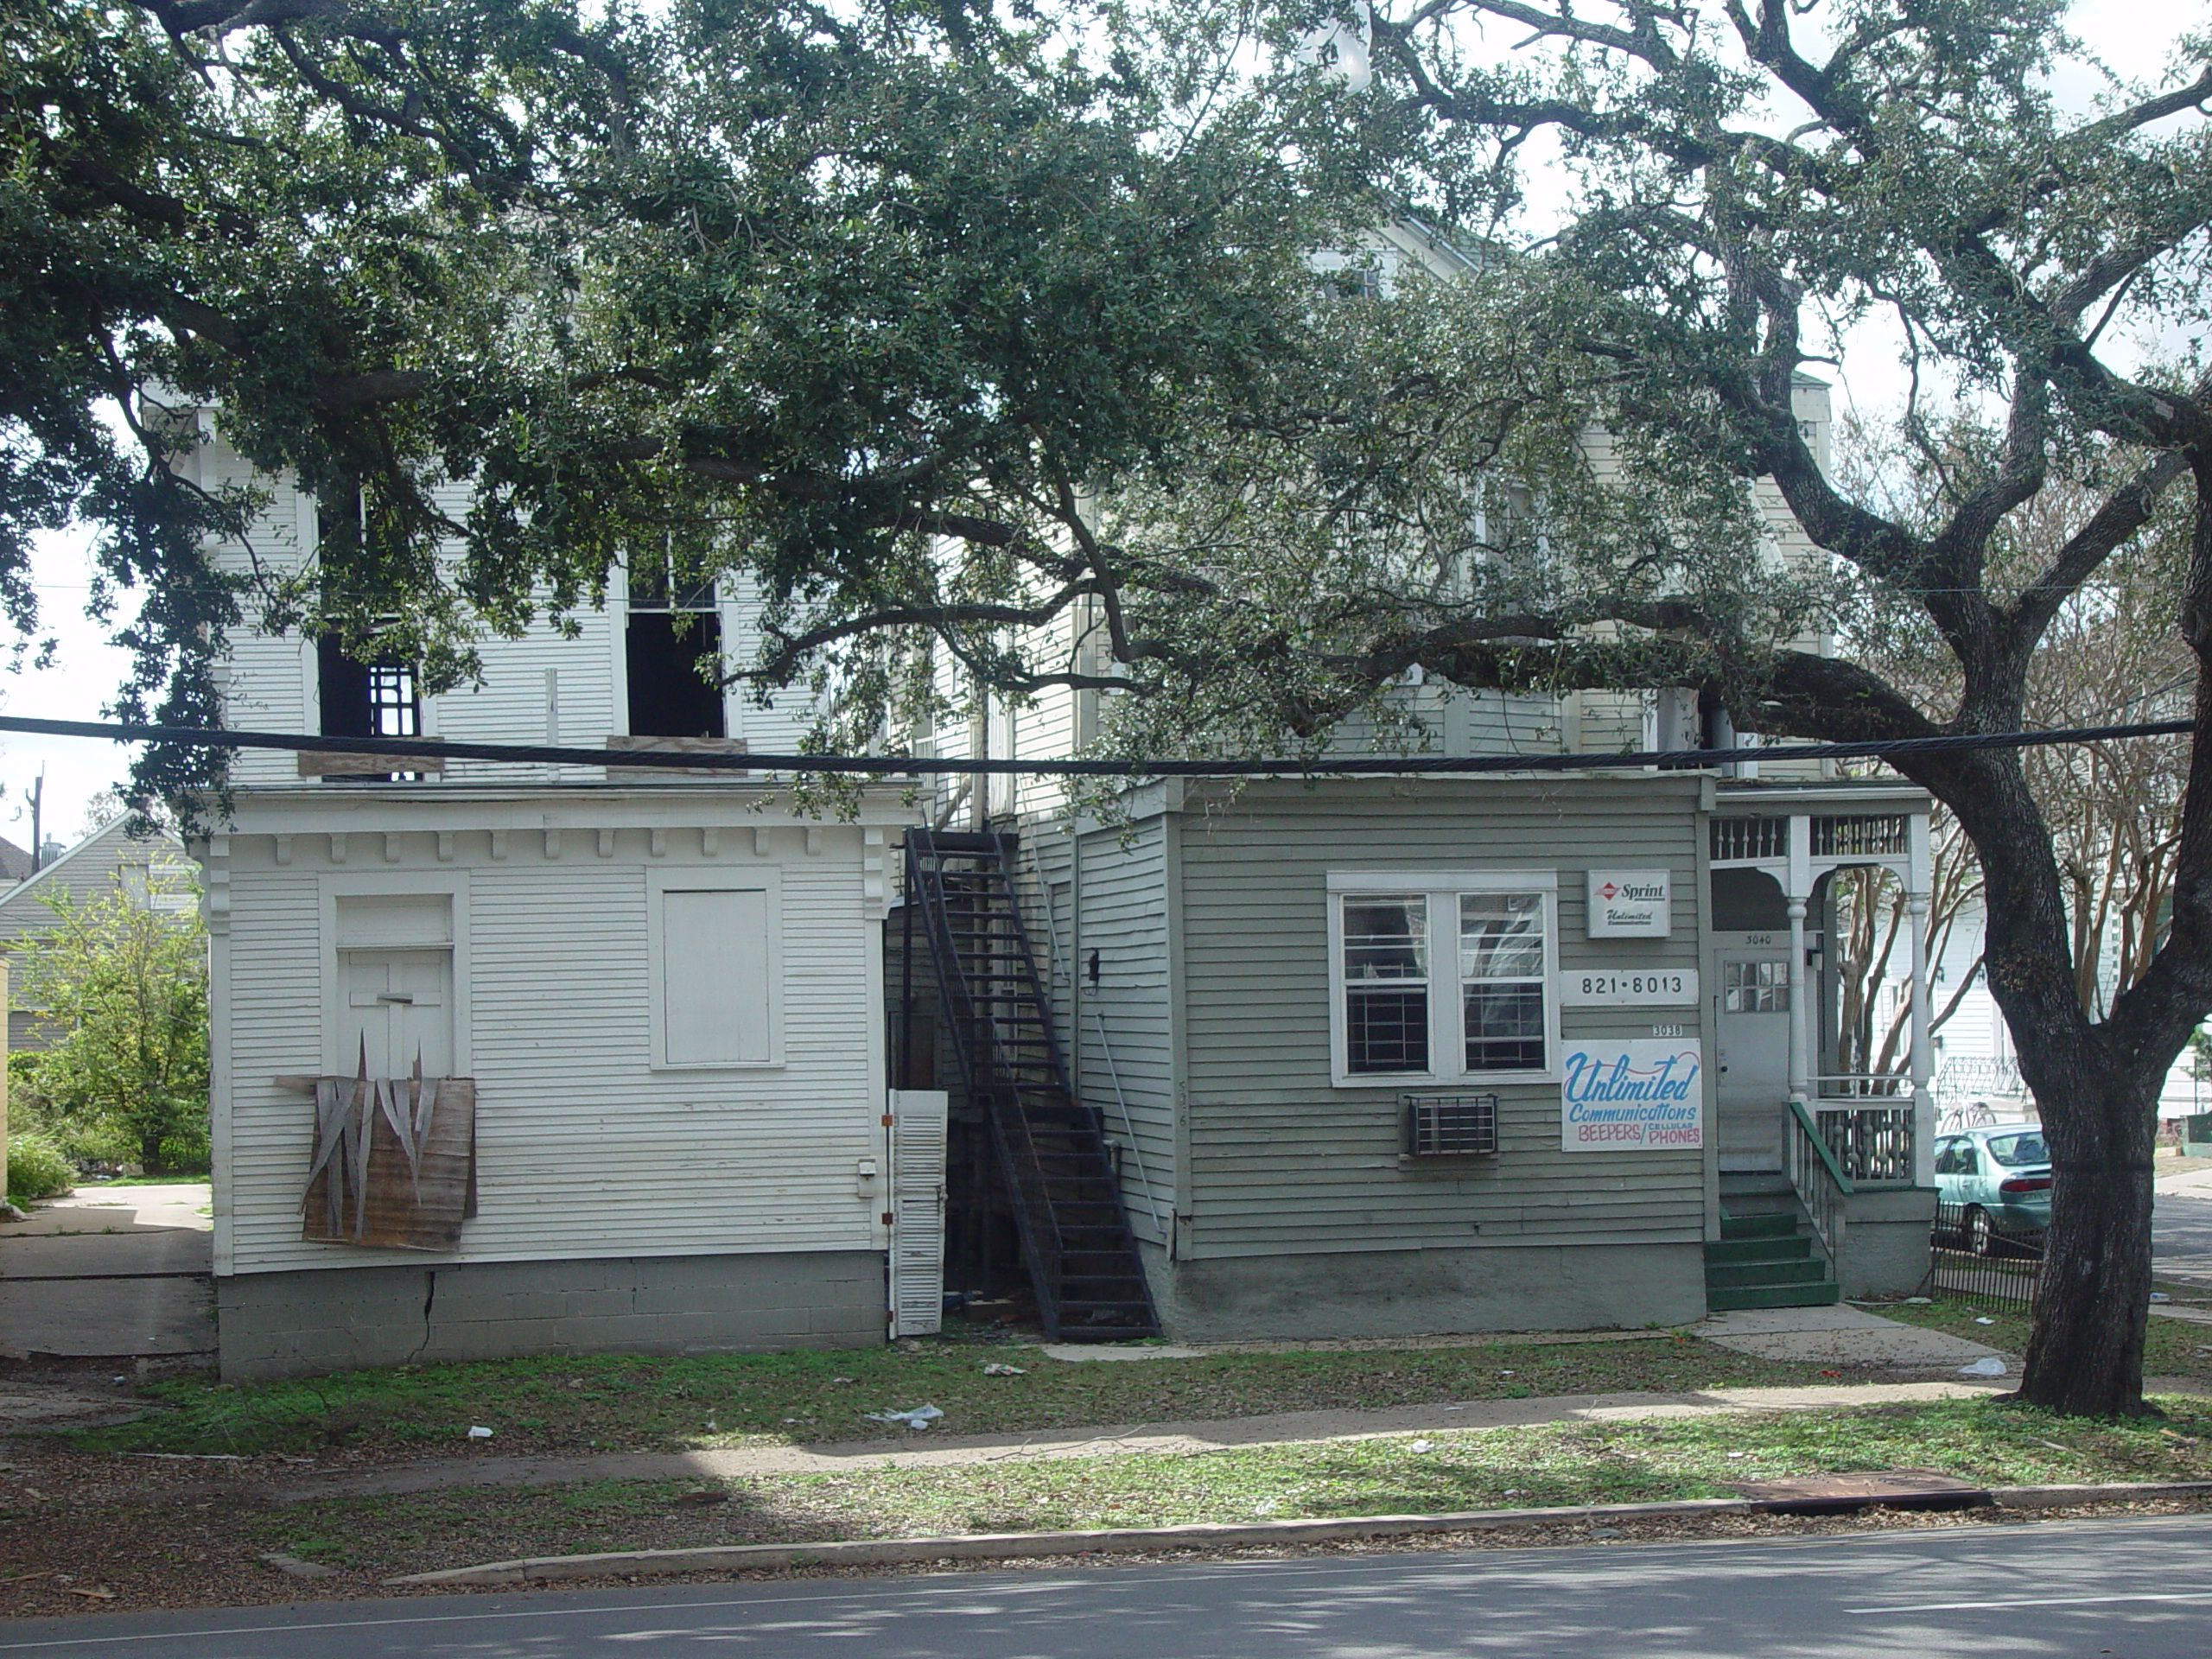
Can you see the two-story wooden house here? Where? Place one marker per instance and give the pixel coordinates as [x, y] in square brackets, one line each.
[654, 998]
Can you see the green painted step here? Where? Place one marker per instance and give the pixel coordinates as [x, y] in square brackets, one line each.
[1779, 1225]
[1757, 1250]
[1747, 1276]
[1723, 1299]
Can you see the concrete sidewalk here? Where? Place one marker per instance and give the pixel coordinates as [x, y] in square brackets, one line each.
[1286, 1428]
[1840, 1335]
[119, 1270]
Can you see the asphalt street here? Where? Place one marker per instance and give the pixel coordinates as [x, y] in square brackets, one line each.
[2181, 1236]
[2127, 1589]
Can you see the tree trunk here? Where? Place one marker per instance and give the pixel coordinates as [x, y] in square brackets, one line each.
[2085, 1356]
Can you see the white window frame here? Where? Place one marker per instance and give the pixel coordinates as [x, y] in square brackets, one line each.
[728, 610]
[767, 880]
[1446, 1034]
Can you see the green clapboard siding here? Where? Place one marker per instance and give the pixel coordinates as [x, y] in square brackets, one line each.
[1279, 1158]
[1122, 1047]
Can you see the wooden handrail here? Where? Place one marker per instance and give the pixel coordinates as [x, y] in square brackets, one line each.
[1827, 1155]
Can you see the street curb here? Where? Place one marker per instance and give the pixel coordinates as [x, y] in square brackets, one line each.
[2118, 1492]
[1000, 1545]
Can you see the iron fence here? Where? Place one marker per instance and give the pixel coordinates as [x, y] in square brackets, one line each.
[2007, 1266]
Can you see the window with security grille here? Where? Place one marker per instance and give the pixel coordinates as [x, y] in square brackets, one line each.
[1454, 979]
[1502, 981]
[377, 698]
[1386, 982]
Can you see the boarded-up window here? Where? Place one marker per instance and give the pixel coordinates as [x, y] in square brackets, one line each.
[717, 971]
[395, 982]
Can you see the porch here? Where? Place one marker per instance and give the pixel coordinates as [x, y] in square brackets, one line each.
[1824, 1065]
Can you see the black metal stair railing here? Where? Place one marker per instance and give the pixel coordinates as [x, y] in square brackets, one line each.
[1076, 1240]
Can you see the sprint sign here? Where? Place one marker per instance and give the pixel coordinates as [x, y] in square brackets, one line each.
[1630, 905]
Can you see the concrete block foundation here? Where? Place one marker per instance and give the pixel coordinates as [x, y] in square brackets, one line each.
[1886, 1232]
[1423, 1293]
[276, 1325]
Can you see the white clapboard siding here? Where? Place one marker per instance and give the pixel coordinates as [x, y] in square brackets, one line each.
[510, 703]
[779, 724]
[917, 1137]
[583, 1148]
[1281, 1160]
[266, 679]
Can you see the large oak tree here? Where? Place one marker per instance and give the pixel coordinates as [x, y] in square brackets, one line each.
[1738, 177]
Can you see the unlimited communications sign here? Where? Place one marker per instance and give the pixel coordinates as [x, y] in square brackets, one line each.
[1633, 1096]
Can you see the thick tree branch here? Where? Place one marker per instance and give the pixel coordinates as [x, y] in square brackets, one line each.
[2124, 512]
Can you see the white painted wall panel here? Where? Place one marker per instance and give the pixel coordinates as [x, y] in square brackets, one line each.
[584, 1150]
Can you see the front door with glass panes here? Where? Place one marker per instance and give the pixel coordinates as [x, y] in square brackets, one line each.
[1751, 1031]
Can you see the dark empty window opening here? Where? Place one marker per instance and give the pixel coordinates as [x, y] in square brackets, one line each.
[669, 651]
[375, 699]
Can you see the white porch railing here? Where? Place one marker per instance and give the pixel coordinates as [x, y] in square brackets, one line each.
[1873, 1145]
[1864, 1085]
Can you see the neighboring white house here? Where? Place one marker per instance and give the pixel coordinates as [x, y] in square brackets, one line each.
[656, 996]
[153, 872]
[1978, 1069]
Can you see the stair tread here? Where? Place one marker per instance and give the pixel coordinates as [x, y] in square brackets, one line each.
[1780, 1225]
[1728, 1298]
[1746, 1275]
[1791, 1248]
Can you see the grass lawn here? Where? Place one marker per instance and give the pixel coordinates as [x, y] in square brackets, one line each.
[1988, 1442]
[2180, 1347]
[629, 1403]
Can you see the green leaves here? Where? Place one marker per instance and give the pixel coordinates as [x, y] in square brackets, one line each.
[123, 984]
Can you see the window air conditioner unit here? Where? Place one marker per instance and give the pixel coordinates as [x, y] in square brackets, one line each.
[1438, 1125]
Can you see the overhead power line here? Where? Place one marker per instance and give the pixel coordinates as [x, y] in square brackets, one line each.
[400, 749]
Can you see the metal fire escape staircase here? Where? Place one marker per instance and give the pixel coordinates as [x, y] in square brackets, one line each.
[1051, 1149]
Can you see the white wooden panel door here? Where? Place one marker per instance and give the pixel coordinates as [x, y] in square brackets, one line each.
[1751, 1030]
[716, 977]
[399, 1003]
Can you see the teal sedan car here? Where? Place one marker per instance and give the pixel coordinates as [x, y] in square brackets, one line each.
[1994, 1183]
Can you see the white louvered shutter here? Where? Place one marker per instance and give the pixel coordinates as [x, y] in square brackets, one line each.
[918, 1119]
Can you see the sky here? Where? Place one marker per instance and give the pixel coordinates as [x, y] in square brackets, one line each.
[2134, 37]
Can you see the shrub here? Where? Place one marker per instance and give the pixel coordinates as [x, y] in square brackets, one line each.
[37, 1168]
[126, 984]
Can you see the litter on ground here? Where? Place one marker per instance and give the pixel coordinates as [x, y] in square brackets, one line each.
[919, 1417]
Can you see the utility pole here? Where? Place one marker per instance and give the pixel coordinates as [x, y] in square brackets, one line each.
[38, 832]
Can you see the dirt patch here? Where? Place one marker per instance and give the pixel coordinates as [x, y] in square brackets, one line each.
[157, 1558]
